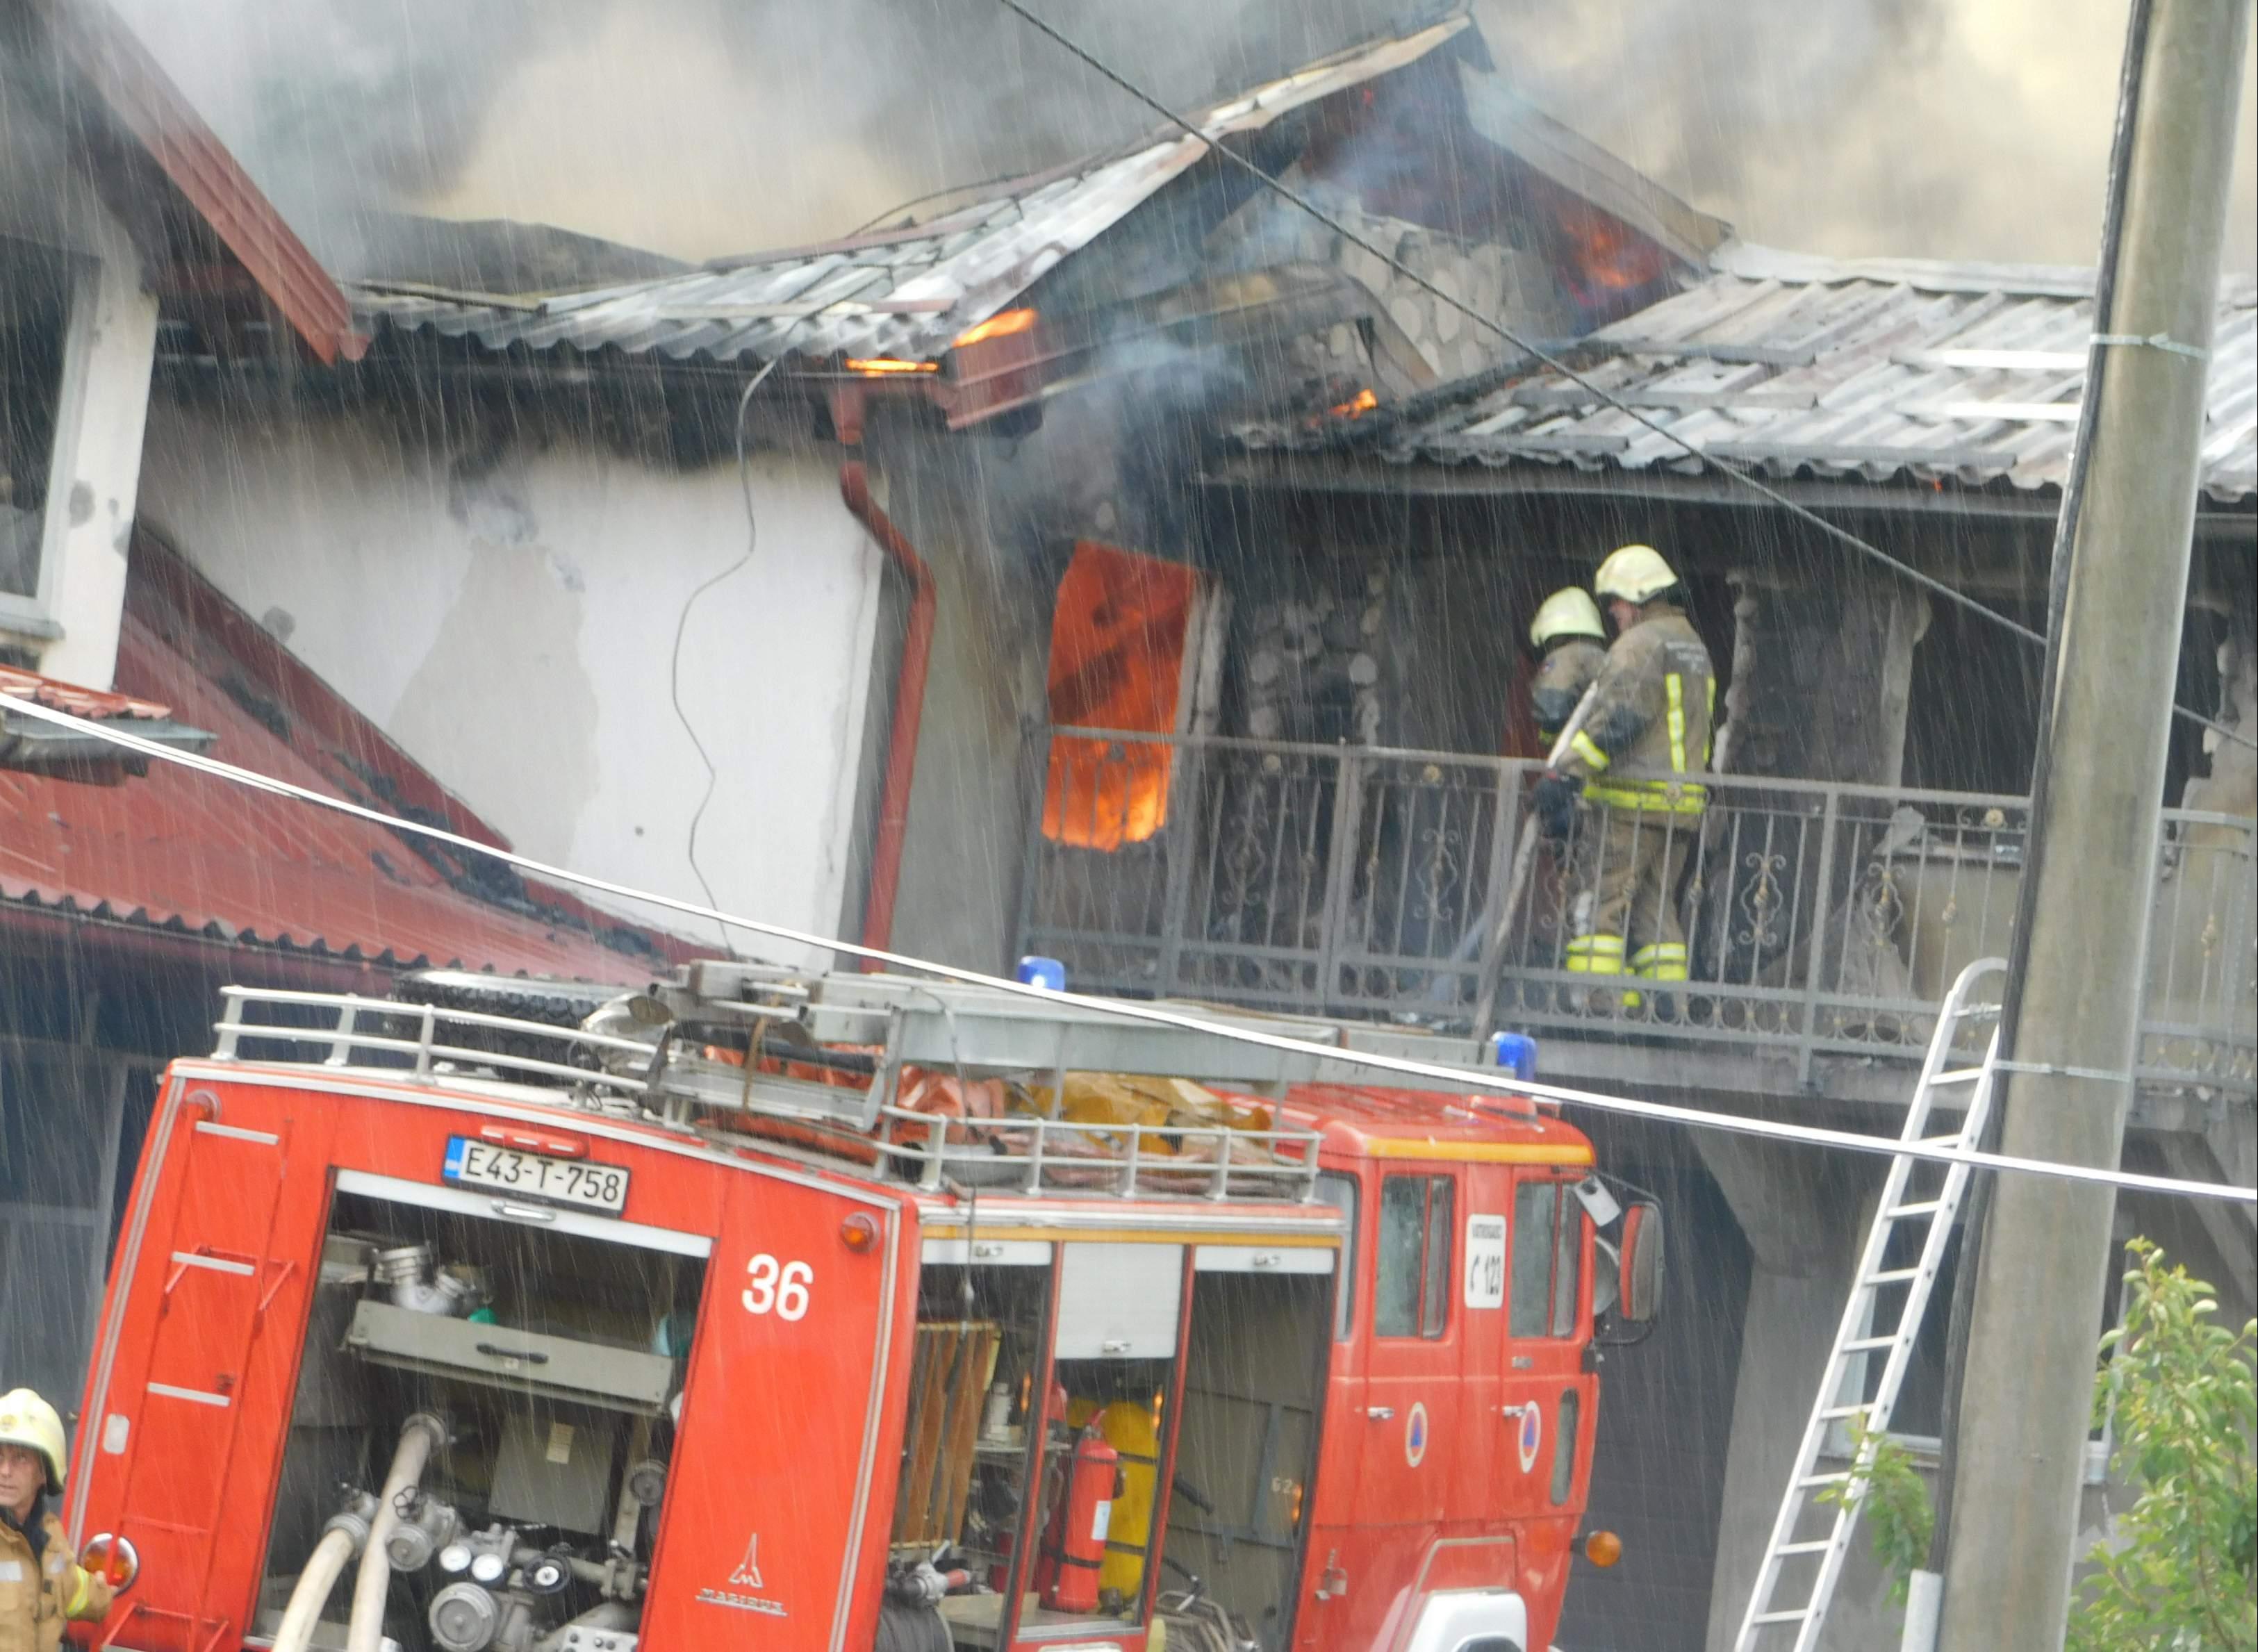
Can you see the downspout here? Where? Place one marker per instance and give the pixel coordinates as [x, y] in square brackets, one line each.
[909, 707]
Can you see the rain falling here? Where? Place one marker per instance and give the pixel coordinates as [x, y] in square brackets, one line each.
[1011, 825]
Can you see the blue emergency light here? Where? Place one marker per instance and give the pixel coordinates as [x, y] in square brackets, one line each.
[1518, 1050]
[1037, 971]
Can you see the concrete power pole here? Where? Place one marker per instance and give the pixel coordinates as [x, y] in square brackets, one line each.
[2027, 1397]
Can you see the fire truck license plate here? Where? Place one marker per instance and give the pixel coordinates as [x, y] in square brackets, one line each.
[479, 1164]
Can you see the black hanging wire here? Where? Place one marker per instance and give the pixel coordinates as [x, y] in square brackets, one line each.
[681, 624]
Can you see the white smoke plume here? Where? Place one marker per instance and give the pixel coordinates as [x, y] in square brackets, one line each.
[700, 128]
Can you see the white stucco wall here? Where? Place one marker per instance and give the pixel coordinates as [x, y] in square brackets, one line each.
[512, 627]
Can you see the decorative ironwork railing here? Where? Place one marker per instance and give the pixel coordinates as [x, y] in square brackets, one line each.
[1820, 919]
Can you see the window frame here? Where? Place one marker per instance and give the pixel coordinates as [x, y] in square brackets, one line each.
[1430, 1293]
[1567, 1419]
[1565, 1240]
[79, 276]
[1345, 1273]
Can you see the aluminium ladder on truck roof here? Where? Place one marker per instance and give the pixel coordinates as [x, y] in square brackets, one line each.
[673, 1053]
[1889, 1297]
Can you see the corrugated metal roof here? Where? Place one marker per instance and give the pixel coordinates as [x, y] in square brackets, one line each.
[895, 293]
[1876, 368]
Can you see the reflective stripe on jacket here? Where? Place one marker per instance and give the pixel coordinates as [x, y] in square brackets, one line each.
[1654, 708]
[38, 1593]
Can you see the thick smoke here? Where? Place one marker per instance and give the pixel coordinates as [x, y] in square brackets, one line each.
[1909, 128]
[704, 127]
[692, 127]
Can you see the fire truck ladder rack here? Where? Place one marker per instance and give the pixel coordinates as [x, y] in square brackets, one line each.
[852, 1056]
[1803, 1560]
[408, 1039]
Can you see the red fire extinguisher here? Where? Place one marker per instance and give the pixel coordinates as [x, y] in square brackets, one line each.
[1073, 1547]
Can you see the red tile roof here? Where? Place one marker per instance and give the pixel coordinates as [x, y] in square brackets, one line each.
[89, 703]
[186, 852]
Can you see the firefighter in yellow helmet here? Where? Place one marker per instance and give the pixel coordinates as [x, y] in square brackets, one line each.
[1572, 645]
[1651, 713]
[41, 1583]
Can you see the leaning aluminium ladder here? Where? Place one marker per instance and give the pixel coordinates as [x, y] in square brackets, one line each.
[1888, 1299]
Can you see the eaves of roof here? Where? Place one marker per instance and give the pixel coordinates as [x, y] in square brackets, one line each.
[131, 103]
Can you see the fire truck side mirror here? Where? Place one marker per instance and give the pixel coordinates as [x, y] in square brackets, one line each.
[1640, 1249]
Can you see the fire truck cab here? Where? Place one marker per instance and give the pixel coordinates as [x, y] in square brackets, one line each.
[842, 1312]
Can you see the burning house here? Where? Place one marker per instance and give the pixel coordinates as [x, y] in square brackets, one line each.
[1863, 838]
[496, 532]
[1120, 564]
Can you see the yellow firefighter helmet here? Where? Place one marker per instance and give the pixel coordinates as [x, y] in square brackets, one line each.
[1566, 614]
[1636, 574]
[29, 1421]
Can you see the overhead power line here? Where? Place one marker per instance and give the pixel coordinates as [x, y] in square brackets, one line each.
[1803, 512]
[1459, 1078]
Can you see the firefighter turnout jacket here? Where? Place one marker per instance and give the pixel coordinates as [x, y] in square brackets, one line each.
[1562, 677]
[1652, 710]
[42, 1585]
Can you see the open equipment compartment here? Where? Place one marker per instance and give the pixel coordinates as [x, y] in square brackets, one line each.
[1246, 1461]
[540, 1355]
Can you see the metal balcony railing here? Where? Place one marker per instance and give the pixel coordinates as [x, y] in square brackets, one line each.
[1822, 920]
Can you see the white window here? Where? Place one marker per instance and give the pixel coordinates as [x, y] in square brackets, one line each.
[42, 368]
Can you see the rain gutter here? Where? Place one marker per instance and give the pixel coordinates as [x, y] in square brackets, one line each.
[908, 706]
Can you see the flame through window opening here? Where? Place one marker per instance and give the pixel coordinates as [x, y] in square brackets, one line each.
[1118, 636]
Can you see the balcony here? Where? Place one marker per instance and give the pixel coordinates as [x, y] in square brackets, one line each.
[1825, 922]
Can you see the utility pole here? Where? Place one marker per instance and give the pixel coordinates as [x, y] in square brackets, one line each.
[2019, 1447]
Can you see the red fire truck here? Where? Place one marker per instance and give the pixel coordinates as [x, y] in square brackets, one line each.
[845, 1312]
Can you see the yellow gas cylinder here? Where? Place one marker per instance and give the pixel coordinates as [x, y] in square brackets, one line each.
[1134, 1431]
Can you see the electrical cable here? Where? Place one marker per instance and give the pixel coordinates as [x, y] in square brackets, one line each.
[933, 194]
[1802, 512]
[681, 625]
[1463, 1078]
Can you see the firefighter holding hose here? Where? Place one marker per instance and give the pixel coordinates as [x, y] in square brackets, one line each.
[40, 1584]
[1651, 711]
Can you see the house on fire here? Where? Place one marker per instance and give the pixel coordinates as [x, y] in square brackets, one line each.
[1118, 564]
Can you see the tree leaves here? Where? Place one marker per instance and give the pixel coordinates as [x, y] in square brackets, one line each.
[2181, 1396]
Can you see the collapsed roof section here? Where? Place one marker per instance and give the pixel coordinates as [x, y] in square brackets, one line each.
[992, 292]
[1883, 370]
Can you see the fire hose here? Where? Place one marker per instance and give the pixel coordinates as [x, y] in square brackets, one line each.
[422, 1435]
[1523, 859]
[342, 1538]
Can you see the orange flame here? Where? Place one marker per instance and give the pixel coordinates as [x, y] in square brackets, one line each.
[1001, 326]
[1609, 256]
[881, 366]
[1358, 405]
